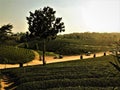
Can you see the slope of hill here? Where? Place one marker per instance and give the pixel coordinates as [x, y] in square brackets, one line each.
[87, 74]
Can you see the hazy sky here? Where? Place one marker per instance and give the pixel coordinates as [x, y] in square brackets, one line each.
[78, 15]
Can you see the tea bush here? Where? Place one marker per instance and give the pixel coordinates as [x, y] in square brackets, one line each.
[13, 55]
[96, 73]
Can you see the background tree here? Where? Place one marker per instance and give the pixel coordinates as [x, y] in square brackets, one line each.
[5, 32]
[43, 25]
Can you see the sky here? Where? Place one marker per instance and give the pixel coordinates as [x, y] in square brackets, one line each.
[78, 15]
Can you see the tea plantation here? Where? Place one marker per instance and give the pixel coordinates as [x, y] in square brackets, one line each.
[88, 74]
[15, 55]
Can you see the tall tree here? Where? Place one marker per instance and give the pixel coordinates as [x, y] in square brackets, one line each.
[43, 25]
[5, 31]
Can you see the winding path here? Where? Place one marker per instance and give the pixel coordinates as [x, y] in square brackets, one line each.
[50, 59]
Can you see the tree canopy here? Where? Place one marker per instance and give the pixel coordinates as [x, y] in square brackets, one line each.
[43, 24]
[5, 30]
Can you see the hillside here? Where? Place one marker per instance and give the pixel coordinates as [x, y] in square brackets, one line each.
[88, 74]
[78, 43]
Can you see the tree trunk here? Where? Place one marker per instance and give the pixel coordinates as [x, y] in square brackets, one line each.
[20, 64]
[44, 52]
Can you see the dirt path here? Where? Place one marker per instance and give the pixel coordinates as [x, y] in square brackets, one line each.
[50, 59]
[35, 61]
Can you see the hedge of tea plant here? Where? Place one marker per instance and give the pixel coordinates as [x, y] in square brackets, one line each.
[13, 55]
[96, 74]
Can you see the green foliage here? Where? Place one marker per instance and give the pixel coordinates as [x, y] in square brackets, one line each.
[72, 47]
[86, 88]
[95, 39]
[13, 55]
[43, 23]
[5, 30]
[6, 34]
[92, 36]
[94, 73]
[78, 43]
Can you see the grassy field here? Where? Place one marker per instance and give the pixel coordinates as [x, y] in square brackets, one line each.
[88, 74]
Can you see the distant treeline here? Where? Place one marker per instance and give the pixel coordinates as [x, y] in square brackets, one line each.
[78, 43]
[93, 38]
